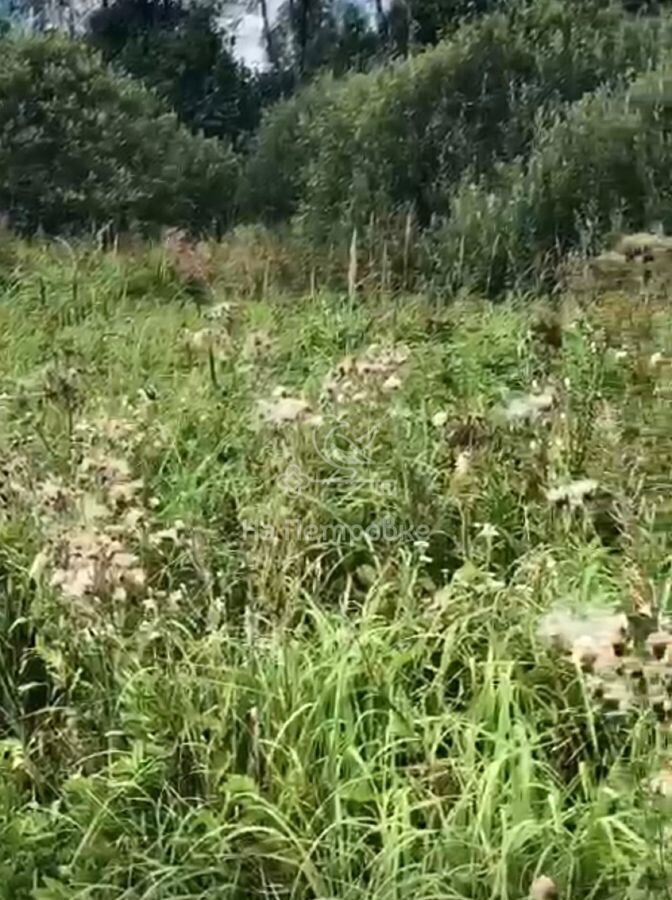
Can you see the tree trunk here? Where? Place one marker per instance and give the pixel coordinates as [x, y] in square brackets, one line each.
[303, 35]
[268, 35]
[382, 19]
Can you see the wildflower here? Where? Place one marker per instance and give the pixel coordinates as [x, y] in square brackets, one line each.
[602, 630]
[617, 696]
[644, 246]
[92, 564]
[655, 361]
[133, 519]
[164, 535]
[488, 531]
[391, 384]
[124, 494]
[220, 312]
[345, 366]
[55, 497]
[314, 420]
[659, 706]
[439, 419]
[258, 344]
[463, 464]
[208, 340]
[585, 653]
[633, 670]
[353, 379]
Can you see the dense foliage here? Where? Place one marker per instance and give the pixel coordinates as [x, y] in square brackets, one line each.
[82, 147]
[477, 161]
[400, 138]
[303, 597]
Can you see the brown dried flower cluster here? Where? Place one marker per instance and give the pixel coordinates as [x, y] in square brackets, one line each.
[96, 525]
[213, 340]
[622, 673]
[361, 379]
[530, 407]
[190, 260]
[258, 345]
[92, 564]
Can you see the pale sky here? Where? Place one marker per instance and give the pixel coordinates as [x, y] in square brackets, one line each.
[249, 34]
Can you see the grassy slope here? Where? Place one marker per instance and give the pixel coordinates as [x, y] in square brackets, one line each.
[289, 708]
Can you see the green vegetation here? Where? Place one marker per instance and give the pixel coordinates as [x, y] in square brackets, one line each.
[533, 129]
[82, 148]
[288, 643]
[399, 138]
[321, 576]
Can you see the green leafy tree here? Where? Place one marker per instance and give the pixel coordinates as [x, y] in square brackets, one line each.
[180, 50]
[313, 36]
[82, 147]
[419, 23]
[604, 167]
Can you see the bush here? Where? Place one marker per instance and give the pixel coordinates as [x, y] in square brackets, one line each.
[402, 136]
[605, 167]
[82, 147]
[274, 179]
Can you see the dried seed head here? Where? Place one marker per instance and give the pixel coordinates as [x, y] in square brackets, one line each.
[585, 653]
[619, 646]
[530, 407]
[284, 410]
[633, 668]
[658, 642]
[597, 687]
[659, 706]
[661, 783]
[617, 697]
[391, 384]
[573, 493]
[544, 888]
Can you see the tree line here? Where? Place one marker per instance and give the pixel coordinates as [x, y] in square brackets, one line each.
[497, 134]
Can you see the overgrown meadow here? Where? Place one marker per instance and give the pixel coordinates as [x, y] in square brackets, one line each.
[329, 598]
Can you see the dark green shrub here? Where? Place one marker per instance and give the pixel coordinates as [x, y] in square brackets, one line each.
[274, 179]
[606, 166]
[81, 147]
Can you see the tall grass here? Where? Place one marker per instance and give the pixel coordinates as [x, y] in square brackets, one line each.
[331, 682]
